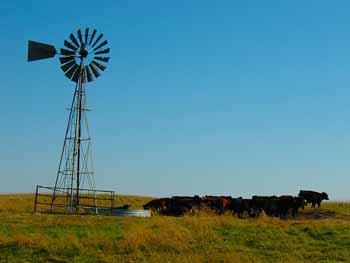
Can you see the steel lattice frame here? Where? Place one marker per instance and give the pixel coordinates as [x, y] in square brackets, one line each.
[75, 169]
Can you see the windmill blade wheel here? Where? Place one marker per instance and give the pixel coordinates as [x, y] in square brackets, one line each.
[85, 55]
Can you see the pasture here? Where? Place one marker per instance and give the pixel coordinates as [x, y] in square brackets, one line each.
[320, 235]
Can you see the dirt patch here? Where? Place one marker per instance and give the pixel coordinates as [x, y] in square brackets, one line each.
[322, 214]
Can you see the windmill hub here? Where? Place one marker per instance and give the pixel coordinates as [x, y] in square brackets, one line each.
[83, 52]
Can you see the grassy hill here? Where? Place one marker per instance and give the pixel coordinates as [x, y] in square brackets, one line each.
[321, 235]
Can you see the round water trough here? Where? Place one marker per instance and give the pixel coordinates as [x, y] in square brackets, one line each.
[117, 211]
[131, 212]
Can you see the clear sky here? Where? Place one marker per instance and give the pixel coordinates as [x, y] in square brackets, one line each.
[200, 97]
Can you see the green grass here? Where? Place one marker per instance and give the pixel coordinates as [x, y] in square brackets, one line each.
[321, 235]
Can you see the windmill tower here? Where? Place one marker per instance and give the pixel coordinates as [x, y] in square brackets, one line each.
[83, 59]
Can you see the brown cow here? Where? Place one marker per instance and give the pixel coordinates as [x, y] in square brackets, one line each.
[218, 204]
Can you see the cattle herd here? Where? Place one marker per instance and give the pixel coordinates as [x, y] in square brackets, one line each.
[277, 206]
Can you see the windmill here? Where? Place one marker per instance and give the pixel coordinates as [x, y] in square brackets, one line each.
[83, 59]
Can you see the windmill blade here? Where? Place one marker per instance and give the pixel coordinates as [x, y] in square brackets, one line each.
[80, 37]
[101, 45]
[93, 35]
[67, 66]
[37, 50]
[105, 51]
[67, 52]
[69, 45]
[94, 70]
[64, 60]
[98, 39]
[88, 74]
[100, 66]
[71, 71]
[74, 40]
[104, 59]
[86, 35]
[76, 75]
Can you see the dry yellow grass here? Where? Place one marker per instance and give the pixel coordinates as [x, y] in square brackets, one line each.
[29, 237]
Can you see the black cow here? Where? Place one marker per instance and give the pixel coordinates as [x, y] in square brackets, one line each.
[159, 205]
[239, 206]
[313, 197]
[277, 206]
[153, 205]
[180, 205]
[273, 207]
[288, 203]
[268, 204]
[299, 202]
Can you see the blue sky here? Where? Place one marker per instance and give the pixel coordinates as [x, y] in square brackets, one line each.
[200, 97]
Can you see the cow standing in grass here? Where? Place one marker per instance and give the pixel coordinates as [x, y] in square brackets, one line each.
[240, 205]
[278, 206]
[159, 205]
[313, 197]
[288, 203]
[180, 205]
[268, 204]
[218, 204]
[299, 202]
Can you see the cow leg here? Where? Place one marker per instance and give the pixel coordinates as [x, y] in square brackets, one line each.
[283, 215]
[253, 213]
[257, 212]
[313, 205]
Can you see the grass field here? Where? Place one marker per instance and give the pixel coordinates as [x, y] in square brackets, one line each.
[317, 236]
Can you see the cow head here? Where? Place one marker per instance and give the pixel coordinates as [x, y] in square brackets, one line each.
[325, 196]
[152, 205]
[303, 202]
[300, 202]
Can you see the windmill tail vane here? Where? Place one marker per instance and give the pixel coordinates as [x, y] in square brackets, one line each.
[83, 59]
